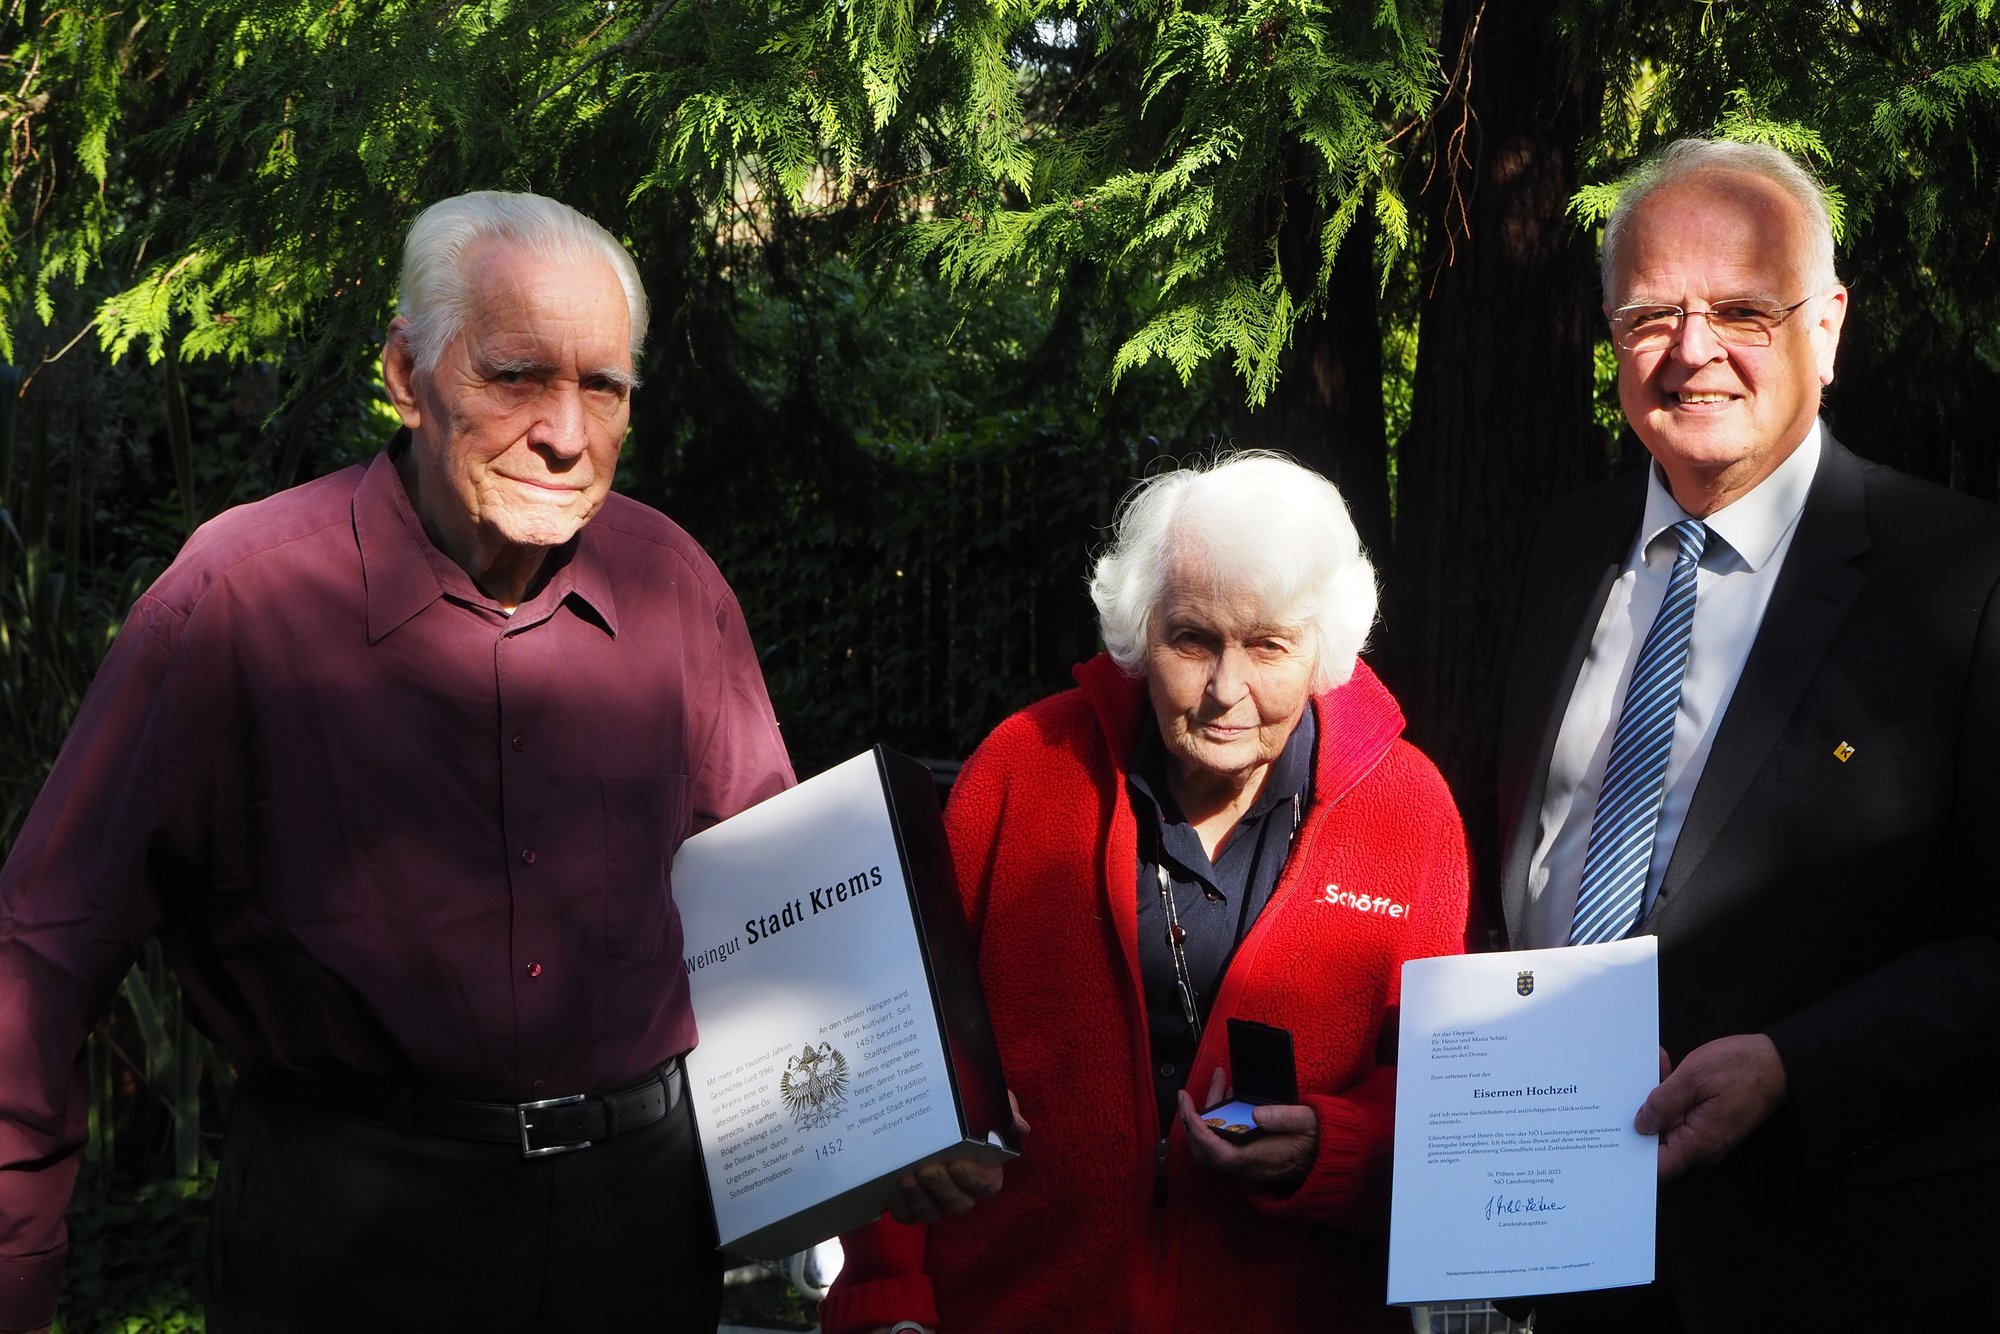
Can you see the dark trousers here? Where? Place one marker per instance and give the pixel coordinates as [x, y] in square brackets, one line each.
[323, 1222]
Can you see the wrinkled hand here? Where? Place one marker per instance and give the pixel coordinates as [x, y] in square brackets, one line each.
[1280, 1158]
[1721, 1092]
[943, 1189]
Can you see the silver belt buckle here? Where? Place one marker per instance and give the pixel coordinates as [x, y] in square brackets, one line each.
[521, 1111]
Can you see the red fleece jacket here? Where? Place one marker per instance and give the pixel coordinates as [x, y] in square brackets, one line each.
[1046, 847]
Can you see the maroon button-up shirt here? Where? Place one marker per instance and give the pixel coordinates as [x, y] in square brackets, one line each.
[385, 829]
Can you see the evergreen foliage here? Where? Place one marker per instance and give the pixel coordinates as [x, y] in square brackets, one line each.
[249, 157]
[233, 167]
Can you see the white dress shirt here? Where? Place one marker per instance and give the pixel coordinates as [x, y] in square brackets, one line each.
[1746, 549]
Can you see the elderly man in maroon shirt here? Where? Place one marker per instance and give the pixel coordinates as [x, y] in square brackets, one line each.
[396, 763]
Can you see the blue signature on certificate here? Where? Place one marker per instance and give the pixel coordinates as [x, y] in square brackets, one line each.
[1497, 1205]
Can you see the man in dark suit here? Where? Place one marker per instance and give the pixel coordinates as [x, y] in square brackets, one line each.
[1749, 703]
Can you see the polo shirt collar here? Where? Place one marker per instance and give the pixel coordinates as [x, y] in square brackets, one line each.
[403, 572]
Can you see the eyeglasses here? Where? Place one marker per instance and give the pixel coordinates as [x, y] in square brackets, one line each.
[1650, 327]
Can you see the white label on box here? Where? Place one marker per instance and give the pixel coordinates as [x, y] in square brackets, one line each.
[820, 1066]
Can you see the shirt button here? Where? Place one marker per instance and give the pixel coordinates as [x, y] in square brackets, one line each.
[1166, 1072]
[520, 743]
[539, 1086]
[528, 856]
[534, 970]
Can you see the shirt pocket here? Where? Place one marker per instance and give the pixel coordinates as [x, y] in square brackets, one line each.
[645, 820]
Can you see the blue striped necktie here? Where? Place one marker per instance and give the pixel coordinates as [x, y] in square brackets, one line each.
[1628, 803]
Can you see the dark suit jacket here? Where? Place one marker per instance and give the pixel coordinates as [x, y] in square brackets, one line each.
[1849, 909]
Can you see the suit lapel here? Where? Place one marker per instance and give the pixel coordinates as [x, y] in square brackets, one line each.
[1556, 628]
[1814, 592]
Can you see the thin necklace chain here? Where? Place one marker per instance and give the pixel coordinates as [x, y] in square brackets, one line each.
[1177, 934]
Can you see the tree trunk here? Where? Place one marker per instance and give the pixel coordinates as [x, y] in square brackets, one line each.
[1502, 416]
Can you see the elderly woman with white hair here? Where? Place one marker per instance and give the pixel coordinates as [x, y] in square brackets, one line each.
[1221, 821]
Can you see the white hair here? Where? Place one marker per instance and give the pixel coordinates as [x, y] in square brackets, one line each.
[1686, 158]
[1256, 526]
[436, 294]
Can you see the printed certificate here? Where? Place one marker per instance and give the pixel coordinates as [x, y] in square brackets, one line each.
[1517, 1168]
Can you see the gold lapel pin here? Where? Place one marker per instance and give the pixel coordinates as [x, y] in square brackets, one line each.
[1843, 752]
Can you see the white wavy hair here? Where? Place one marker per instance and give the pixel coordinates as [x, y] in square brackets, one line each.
[1257, 527]
[1685, 158]
[436, 294]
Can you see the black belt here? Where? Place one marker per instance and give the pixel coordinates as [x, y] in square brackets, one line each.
[550, 1125]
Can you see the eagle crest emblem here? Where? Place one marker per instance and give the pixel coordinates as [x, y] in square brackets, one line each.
[814, 1086]
[1524, 984]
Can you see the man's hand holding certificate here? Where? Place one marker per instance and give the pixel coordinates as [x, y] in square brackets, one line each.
[1518, 1170]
